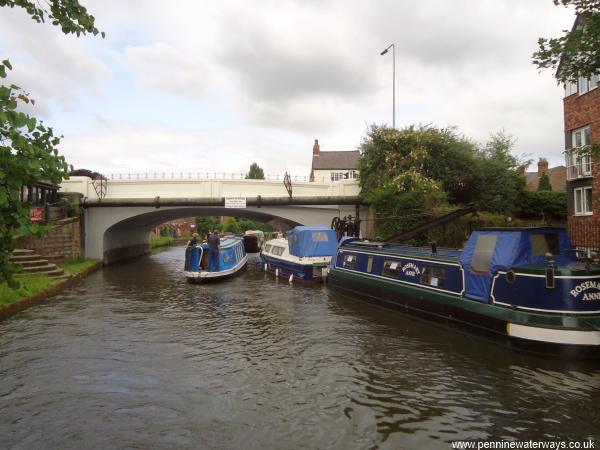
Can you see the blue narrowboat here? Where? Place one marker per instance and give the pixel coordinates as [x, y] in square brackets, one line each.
[232, 260]
[524, 286]
[303, 256]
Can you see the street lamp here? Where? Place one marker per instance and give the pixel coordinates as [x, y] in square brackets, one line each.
[393, 47]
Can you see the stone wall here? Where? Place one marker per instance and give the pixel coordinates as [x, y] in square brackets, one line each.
[62, 242]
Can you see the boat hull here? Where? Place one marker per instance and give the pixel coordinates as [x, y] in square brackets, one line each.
[211, 277]
[303, 273]
[547, 334]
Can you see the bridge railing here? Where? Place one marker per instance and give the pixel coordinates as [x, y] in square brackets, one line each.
[199, 175]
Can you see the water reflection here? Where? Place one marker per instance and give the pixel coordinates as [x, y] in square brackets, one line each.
[136, 357]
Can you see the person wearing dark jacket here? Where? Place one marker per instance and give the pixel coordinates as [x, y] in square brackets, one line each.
[214, 247]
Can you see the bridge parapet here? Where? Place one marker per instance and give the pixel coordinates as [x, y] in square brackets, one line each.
[209, 188]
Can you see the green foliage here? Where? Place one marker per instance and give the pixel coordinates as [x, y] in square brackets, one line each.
[576, 52]
[29, 149]
[207, 224]
[412, 174]
[162, 241]
[164, 232]
[28, 154]
[247, 224]
[68, 14]
[231, 226]
[501, 179]
[255, 172]
[29, 285]
[544, 183]
[75, 266]
[547, 205]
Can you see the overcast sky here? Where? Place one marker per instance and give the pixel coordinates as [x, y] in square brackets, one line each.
[216, 86]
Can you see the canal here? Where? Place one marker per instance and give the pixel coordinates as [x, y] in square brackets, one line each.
[134, 357]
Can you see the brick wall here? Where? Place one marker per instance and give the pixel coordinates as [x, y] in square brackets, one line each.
[580, 111]
[62, 242]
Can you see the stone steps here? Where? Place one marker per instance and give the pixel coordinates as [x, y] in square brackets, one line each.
[28, 262]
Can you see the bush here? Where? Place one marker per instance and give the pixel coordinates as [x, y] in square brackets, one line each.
[544, 205]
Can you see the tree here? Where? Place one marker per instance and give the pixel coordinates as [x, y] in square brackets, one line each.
[85, 173]
[413, 174]
[255, 173]
[544, 183]
[231, 225]
[207, 224]
[28, 148]
[577, 52]
[502, 180]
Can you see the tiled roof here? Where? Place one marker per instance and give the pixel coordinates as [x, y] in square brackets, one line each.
[336, 160]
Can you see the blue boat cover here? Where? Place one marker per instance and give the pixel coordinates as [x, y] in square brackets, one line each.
[312, 241]
[513, 247]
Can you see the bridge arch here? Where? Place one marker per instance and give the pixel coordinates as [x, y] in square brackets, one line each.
[115, 234]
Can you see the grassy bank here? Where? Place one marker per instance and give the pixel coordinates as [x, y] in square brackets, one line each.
[162, 241]
[28, 285]
[32, 284]
[75, 266]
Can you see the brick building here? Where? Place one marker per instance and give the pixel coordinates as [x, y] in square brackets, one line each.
[556, 175]
[333, 165]
[582, 128]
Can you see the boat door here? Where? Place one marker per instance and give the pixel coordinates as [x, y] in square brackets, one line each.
[478, 259]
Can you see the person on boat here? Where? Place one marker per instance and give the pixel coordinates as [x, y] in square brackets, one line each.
[193, 241]
[214, 247]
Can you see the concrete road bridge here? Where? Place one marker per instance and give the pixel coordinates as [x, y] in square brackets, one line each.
[121, 211]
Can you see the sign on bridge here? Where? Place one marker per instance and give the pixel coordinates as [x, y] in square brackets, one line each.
[235, 202]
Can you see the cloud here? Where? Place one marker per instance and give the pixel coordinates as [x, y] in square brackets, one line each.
[54, 68]
[271, 77]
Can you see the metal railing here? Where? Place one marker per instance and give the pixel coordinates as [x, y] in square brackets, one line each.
[203, 175]
[578, 165]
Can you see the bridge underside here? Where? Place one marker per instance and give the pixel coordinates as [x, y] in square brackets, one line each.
[115, 234]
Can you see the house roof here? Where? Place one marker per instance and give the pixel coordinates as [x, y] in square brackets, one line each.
[556, 175]
[336, 160]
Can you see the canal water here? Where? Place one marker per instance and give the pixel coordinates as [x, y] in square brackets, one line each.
[135, 357]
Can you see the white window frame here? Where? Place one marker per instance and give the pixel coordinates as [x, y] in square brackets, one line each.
[578, 165]
[581, 206]
[585, 85]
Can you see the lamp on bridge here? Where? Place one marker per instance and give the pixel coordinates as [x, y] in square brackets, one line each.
[393, 47]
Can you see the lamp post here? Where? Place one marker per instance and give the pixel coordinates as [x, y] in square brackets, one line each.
[393, 47]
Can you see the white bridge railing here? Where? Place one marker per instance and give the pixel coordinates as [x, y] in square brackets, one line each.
[195, 175]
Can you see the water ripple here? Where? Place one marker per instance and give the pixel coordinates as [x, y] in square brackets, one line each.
[136, 358]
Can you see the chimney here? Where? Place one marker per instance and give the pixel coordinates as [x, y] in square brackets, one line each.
[316, 148]
[542, 166]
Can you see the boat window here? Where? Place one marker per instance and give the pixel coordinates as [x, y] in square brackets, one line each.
[268, 248]
[484, 249]
[278, 251]
[370, 264]
[542, 243]
[350, 262]
[433, 276]
[391, 268]
[319, 236]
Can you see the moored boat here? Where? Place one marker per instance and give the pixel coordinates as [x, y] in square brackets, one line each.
[524, 286]
[253, 241]
[232, 260]
[303, 255]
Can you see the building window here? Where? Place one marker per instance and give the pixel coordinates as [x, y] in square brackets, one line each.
[583, 201]
[579, 160]
[350, 262]
[433, 276]
[391, 269]
[587, 84]
[570, 88]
